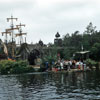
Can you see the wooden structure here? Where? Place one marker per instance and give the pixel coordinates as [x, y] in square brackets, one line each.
[6, 35]
[3, 50]
[82, 55]
[58, 40]
[20, 34]
[13, 45]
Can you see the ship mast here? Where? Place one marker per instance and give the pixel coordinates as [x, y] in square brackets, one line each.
[6, 37]
[13, 45]
[20, 34]
[12, 26]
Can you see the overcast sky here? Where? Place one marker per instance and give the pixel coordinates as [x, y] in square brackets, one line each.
[43, 18]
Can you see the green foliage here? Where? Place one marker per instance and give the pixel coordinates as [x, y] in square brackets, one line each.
[51, 54]
[68, 53]
[90, 29]
[14, 67]
[90, 40]
[91, 63]
[95, 51]
[49, 58]
[75, 40]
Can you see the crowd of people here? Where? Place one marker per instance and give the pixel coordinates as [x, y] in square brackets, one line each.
[68, 65]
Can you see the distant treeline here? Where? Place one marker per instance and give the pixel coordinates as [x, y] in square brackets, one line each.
[87, 41]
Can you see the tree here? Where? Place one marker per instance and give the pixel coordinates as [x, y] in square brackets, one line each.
[90, 29]
[95, 51]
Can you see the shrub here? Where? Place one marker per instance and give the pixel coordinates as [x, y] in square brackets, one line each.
[14, 67]
[91, 63]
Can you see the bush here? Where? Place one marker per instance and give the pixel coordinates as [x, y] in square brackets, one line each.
[91, 63]
[14, 67]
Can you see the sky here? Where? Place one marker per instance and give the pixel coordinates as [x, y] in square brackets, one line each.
[44, 18]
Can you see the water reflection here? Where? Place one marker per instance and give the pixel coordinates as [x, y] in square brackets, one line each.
[51, 86]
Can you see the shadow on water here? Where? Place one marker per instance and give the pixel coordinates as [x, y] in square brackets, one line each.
[51, 86]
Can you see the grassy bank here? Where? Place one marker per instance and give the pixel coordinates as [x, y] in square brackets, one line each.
[15, 67]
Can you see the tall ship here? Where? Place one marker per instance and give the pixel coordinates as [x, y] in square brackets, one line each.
[11, 47]
[15, 46]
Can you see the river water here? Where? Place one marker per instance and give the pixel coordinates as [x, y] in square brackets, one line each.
[51, 86]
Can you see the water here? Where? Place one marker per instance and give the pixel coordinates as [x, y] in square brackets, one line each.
[47, 86]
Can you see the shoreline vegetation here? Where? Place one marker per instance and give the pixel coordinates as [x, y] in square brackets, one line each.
[15, 67]
[20, 67]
